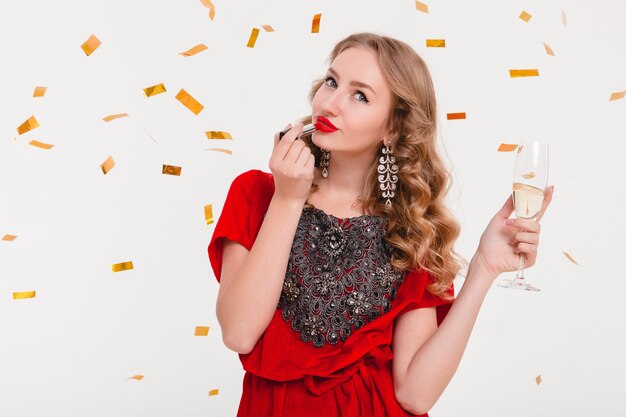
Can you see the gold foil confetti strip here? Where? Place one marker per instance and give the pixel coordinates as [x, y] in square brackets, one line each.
[315, 26]
[538, 379]
[39, 91]
[9, 238]
[189, 102]
[210, 6]
[525, 16]
[122, 266]
[213, 392]
[520, 148]
[228, 151]
[456, 116]
[91, 45]
[21, 295]
[549, 50]
[195, 50]
[268, 28]
[252, 39]
[201, 331]
[529, 175]
[506, 147]
[515, 73]
[114, 116]
[154, 90]
[568, 256]
[618, 96]
[30, 124]
[40, 144]
[171, 170]
[208, 213]
[136, 377]
[217, 134]
[421, 6]
[107, 165]
[435, 43]
[563, 18]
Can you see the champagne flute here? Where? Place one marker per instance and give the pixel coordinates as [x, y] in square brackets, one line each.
[529, 182]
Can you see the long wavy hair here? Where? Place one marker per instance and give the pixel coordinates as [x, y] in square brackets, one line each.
[420, 229]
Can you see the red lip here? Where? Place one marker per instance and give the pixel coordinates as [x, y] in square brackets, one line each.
[324, 125]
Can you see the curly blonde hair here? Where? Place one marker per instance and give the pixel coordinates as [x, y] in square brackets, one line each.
[420, 228]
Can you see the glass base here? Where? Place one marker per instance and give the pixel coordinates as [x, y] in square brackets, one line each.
[517, 284]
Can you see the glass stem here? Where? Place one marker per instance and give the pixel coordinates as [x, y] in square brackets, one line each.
[520, 268]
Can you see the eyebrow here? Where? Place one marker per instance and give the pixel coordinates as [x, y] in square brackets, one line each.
[354, 83]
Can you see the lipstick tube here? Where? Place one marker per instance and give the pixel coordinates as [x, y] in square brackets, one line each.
[306, 130]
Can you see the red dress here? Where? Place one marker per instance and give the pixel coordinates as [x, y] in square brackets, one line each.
[326, 351]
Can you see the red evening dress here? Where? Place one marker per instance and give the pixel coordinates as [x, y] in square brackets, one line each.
[327, 351]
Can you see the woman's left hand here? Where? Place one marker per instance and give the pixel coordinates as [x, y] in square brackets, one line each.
[504, 239]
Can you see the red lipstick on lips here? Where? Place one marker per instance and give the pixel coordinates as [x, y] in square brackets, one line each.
[324, 125]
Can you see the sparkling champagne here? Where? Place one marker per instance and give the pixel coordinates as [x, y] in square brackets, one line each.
[527, 200]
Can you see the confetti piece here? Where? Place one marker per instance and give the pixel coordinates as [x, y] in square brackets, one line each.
[40, 144]
[91, 45]
[228, 151]
[39, 91]
[195, 50]
[435, 43]
[201, 331]
[524, 73]
[154, 90]
[268, 28]
[529, 175]
[136, 377]
[114, 116]
[618, 96]
[315, 26]
[28, 125]
[505, 147]
[107, 165]
[456, 116]
[210, 6]
[549, 50]
[9, 238]
[563, 18]
[153, 140]
[213, 392]
[525, 16]
[217, 134]
[538, 379]
[122, 266]
[171, 170]
[189, 102]
[208, 213]
[568, 256]
[252, 39]
[421, 6]
[520, 148]
[20, 295]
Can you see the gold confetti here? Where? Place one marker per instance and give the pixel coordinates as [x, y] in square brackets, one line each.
[136, 377]
[114, 116]
[525, 16]
[213, 392]
[538, 379]
[210, 6]
[520, 148]
[91, 45]
[20, 295]
[40, 144]
[201, 331]
[39, 91]
[217, 134]
[195, 50]
[563, 18]
[107, 165]
[189, 102]
[435, 43]
[315, 26]
[208, 213]
[228, 151]
[549, 50]
[122, 266]
[171, 170]
[515, 73]
[154, 90]
[456, 116]
[252, 39]
[529, 175]
[421, 6]
[268, 28]
[568, 256]
[505, 147]
[618, 96]
[28, 125]
[9, 238]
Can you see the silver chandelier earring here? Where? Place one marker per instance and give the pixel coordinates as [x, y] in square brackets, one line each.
[387, 170]
[324, 162]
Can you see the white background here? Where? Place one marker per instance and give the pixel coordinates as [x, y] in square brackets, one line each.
[70, 351]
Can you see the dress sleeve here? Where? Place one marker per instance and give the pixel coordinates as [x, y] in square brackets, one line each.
[234, 221]
[419, 296]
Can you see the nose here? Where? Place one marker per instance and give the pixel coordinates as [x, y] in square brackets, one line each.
[331, 103]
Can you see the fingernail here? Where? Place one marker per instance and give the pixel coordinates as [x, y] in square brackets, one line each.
[509, 221]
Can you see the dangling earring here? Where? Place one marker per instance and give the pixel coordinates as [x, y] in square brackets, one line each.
[324, 162]
[387, 169]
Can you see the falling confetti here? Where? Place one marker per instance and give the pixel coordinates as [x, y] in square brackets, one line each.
[153, 140]
[525, 16]
[618, 96]
[9, 238]
[505, 147]
[538, 379]
[114, 116]
[213, 392]
[201, 331]
[252, 39]
[154, 90]
[421, 6]
[549, 50]
[40, 144]
[456, 116]
[39, 91]
[195, 50]
[435, 43]
[520, 148]
[171, 170]
[136, 377]
[123, 266]
[217, 134]
[189, 102]
[91, 45]
[28, 125]
[267, 28]
[568, 256]
[515, 73]
[228, 151]
[315, 26]
[107, 165]
[208, 213]
[529, 175]
[210, 6]
[563, 18]
[21, 295]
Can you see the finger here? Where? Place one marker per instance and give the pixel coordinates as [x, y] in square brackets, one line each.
[303, 157]
[277, 135]
[525, 224]
[506, 209]
[547, 198]
[523, 237]
[285, 143]
[525, 248]
[294, 152]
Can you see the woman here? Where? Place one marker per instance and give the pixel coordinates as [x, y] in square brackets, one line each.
[329, 271]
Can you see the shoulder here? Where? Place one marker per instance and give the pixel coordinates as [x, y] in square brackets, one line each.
[254, 184]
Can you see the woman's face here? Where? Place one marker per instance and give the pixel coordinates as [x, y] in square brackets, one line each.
[356, 99]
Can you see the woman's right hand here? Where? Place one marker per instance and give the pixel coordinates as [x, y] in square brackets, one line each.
[292, 165]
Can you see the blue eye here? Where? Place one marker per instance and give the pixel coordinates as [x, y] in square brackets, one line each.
[364, 100]
[327, 79]
[330, 81]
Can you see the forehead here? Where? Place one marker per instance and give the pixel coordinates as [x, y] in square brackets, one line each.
[360, 63]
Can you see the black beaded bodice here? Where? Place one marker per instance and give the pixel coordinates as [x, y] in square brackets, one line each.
[338, 276]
